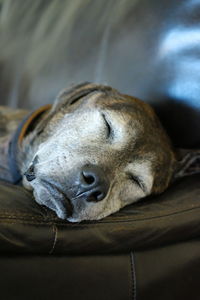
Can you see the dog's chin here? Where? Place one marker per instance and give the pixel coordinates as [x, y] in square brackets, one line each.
[81, 216]
[26, 184]
[74, 220]
[78, 219]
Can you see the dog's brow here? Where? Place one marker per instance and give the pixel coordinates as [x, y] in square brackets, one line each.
[124, 106]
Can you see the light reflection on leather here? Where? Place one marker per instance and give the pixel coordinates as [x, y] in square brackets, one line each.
[150, 49]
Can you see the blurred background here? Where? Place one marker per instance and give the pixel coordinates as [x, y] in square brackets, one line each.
[146, 48]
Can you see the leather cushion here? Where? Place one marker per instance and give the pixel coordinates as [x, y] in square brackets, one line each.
[27, 227]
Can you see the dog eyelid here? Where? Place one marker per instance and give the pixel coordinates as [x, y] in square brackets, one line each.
[109, 128]
[137, 180]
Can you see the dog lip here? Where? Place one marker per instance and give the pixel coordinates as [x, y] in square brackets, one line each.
[58, 194]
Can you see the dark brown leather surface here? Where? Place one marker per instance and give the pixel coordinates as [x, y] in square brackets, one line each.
[146, 48]
[27, 227]
[66, 277]
[149, 49]
[170, 272]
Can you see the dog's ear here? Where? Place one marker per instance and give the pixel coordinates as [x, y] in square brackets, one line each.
[71, 95]
[68, 97]
[188, 163]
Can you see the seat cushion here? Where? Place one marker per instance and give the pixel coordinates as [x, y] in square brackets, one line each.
[27, 227]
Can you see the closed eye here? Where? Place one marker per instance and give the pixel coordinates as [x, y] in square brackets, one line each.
[108, 126]
[137, 180]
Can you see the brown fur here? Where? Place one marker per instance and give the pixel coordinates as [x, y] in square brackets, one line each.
[144, 144]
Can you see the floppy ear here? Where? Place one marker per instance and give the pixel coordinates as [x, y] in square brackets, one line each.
[68, 97]
[71, 95]
[188, 163]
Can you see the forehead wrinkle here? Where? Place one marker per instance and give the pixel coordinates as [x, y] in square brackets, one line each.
[125, 107]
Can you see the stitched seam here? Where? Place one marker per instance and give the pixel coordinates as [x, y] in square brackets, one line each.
[106, 223]
[55, 231]
[133, 277]
[51, 218]
[83, 226]
[147, 218]
[26, 218]
[26, 223]
[131, 280]
[15, 217]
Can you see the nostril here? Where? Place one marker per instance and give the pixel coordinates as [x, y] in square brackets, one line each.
[92, 183]
[30, 174]
[88, 178]
[95, 196]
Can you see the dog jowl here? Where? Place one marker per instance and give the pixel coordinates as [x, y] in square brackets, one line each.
[95, 151]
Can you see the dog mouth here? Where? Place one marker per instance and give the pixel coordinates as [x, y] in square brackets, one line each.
[53, 196]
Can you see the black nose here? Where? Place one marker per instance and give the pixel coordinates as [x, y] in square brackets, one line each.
[92, 183]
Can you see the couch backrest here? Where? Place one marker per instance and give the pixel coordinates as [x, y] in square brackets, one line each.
[149, 49]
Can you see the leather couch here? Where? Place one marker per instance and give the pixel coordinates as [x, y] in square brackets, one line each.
[150, 49]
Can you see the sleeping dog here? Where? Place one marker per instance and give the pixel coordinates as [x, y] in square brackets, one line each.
[92, 152]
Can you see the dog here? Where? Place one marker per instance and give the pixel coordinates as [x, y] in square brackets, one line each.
[91, 153]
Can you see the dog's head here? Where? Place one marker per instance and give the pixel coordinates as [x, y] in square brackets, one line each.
[95, 152]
